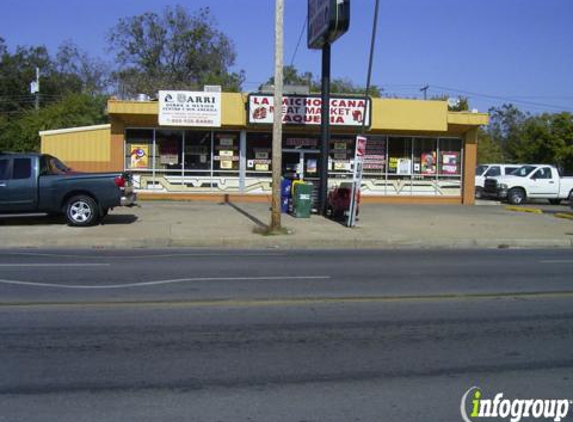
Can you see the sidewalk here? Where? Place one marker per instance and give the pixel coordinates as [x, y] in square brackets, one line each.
[203, 224]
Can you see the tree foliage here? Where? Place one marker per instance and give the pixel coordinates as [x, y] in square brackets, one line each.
[175, 50]
[292, 76]
[21, 134]
[527, 138]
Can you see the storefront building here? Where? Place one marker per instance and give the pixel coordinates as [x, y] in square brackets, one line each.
[417, 151]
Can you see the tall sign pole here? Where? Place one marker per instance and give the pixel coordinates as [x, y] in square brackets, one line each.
[324, 128]
[327, 21]
[277, 121]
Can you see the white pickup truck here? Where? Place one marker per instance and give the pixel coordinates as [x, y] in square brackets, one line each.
[532, 181]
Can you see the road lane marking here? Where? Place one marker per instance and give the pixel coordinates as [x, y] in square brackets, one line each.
[557, 261]
[64, 264]
[133, 257]
[303, 301]
[161, 282]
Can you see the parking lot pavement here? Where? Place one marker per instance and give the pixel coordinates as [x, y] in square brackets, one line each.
[205, 224]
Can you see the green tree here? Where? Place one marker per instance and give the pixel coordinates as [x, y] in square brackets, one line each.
[488, 150]
[505, 128]
[292, 76]
[21, 133]
[175, 50]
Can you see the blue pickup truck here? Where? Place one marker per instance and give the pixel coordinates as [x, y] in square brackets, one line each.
[40, 183]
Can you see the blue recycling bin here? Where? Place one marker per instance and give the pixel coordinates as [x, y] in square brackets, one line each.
[285, 195]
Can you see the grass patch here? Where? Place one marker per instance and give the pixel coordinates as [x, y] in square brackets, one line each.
[266, 231]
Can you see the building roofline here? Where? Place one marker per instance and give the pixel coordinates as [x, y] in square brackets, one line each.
[74, 129]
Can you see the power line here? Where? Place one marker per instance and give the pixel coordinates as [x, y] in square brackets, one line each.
[299, 40]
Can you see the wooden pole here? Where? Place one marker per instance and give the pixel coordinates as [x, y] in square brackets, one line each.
[278, 115]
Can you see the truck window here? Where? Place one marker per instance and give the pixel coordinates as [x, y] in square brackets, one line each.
[480, 170]
[542, 173]
[493, 171]
[21, 168]
[3, 169]
[510, 170]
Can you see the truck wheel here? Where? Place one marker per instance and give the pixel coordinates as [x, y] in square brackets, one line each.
[479, 192]
[516, 196]
[554, 201]
[81, 211]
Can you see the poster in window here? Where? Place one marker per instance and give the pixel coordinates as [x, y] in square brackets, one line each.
[428, 162]
[226, 142]
[139, 156]
[393, 164]
[450, 162]
[311, 166]
[226, 164]
[404, 166]
[226, 153]
[261, 155]
[261, 167]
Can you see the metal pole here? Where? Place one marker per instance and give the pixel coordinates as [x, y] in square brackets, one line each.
[352, 211]
[324, 128]
[278, 116]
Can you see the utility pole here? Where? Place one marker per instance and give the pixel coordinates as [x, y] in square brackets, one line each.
[425, 89]
[35, 89]
[278, 118]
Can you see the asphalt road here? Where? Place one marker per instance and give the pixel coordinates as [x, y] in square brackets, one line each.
[197, 335]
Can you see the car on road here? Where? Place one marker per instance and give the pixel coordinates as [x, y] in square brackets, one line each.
[531, 181]
[40, 183]
[483, 171]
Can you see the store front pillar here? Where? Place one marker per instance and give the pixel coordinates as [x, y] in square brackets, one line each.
[470, 162]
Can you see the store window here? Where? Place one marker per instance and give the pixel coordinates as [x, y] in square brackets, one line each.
[400, 166]
[139, 149]
[341, 157]
[375, 158]
[425, 166]
[259, 154]
[168, 150]
[197, 151]
[450, 166]
[226, 154]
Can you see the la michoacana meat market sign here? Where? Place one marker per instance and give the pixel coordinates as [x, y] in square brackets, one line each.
[189, 108]
[305, 110]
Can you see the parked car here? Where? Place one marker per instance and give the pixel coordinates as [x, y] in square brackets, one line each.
[483, 171]
[531, 181]
[40, 183]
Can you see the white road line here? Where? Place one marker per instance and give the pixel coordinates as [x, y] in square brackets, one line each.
[160, 282]
[64, 264]
[133, 257]
[557, 261]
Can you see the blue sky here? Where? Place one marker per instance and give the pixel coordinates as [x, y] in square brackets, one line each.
[492, 51]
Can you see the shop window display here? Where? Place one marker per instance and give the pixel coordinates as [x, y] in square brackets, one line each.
[226, 154]
[168, 150]
[259, 154]
[138, 149]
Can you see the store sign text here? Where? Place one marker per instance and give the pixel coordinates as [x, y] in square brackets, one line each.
[307, 110]
[189, 108]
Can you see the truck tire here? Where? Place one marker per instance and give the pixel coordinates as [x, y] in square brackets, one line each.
[82, 211]
[516, 196]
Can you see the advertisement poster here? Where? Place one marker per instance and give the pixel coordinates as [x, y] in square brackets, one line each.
[311, 166]
[404, 166]
[306, 110]
[189, 108]
[139, 156]
[428, 163]
[450, 162]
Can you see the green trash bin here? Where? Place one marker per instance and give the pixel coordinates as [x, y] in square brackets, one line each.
[302, 200]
